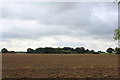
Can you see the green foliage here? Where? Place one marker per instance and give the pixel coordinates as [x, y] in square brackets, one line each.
[110, 50]
[81, 50]
[117, 50]
[64, 50]
[11, 52]
[117, 34]
[4, 50]
[118, 2]
[104, 53]
[117, 31]
[29, 50]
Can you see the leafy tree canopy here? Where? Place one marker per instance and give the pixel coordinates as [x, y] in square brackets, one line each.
[117, 34]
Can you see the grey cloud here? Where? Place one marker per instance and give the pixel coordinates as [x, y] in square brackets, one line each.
[34, 10]
[70, 19]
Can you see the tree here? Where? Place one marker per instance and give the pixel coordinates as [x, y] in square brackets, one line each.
[117, 34]
[92, 51]
[80, 50]
[4, 50]
[87, 51]
[96, 53]
[116, 1]
[29, 50]
[117, 31]
[49, 50]
[117, 50]
[11, 52]
[40, 50]
[99, 51]
[68, 49]
[110, 50]
[58, 50]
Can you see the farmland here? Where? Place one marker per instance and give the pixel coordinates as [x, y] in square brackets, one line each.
[59, 66]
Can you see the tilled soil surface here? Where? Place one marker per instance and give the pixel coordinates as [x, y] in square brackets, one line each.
[59, 66]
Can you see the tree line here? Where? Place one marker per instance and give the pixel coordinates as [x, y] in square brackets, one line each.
[64, 50]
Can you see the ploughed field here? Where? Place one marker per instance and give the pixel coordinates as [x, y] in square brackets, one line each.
[59, 66]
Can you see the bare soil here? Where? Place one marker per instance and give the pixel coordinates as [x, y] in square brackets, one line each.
[18, 66]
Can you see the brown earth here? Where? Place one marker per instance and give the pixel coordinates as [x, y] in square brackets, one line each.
[59, 66]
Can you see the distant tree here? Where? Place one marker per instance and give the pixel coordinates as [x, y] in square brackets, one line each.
[40, 50]
[87, 51]
[99, 51]
[96, 53]
[68, 48]
[49, 50]
[29, 50]
[91, 52]
[77, 50]
[80, 50]
[4, 50]
[117, 50]
[103, 52]
[11, 52]
[110, 50]
[58, 50]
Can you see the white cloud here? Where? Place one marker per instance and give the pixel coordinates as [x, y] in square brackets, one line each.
[58, 24]
[61, 41]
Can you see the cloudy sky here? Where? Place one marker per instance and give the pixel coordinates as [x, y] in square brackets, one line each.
[58, 24]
